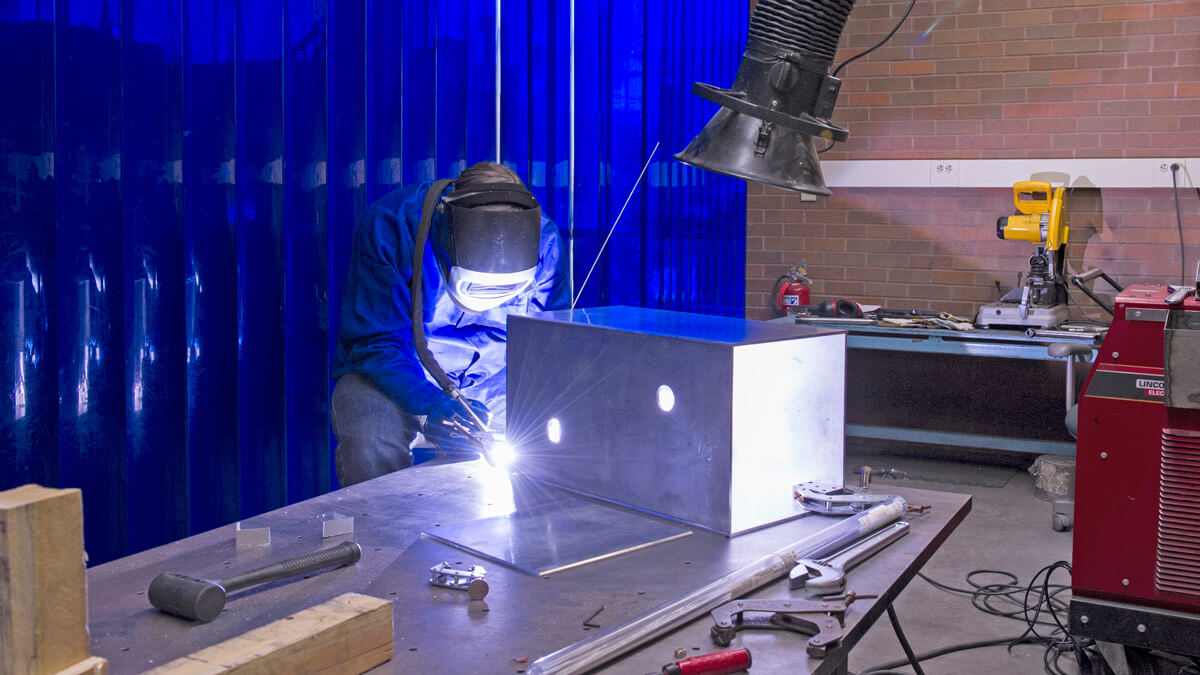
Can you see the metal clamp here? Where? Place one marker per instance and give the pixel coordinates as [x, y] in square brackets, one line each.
[823, 620]
[834, 500]
[469, 580]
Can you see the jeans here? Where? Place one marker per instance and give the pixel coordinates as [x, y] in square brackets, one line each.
[374, 435]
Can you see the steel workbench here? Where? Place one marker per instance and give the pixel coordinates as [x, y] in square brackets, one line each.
[522, 618]
[996, 389]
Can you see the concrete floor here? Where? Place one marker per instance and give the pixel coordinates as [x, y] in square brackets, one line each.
[1008, 529]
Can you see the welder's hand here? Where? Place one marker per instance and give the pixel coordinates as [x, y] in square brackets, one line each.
[450, 428]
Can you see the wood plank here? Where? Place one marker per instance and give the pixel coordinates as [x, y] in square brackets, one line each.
[91, 666]
[351, 633]
[43, 586]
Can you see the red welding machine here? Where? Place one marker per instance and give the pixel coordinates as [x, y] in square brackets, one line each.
[1136, 564]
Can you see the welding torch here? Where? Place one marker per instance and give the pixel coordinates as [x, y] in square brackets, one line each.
[494, 447]
[481, 426]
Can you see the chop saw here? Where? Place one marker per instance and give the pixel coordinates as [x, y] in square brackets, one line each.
[1041, 302]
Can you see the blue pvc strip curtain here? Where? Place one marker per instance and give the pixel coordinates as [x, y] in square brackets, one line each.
[181, 179]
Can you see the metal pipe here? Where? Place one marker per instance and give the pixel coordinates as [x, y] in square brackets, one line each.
[602, 647]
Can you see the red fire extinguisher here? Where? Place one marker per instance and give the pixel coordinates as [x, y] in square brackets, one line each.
[791, 289]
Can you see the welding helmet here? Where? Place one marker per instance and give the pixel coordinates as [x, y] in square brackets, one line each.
[488, 243]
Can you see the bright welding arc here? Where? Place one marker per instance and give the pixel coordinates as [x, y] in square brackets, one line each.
[614, 226]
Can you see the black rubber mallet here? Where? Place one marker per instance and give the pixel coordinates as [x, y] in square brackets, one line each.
[203, 600]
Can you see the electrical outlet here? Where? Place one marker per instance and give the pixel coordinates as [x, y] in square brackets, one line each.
[1161, 173]
[943, 173]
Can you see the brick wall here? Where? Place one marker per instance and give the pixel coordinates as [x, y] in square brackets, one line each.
[993, 79]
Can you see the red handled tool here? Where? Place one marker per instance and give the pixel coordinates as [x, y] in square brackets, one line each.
[717, 663]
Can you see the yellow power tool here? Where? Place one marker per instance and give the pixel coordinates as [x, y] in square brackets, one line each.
[1041, 302]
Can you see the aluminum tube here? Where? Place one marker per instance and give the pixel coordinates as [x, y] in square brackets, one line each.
[602, 647]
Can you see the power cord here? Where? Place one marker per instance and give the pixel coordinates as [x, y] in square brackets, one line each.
[1084, 318]
[1037, 605]
[878, 44]
[885, 668]
[1179, 220]
[908, 651]
[868, 51]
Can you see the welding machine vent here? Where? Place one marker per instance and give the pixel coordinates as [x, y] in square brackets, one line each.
[1177, 569]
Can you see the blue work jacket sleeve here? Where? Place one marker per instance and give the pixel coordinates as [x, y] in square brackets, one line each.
[375, 334]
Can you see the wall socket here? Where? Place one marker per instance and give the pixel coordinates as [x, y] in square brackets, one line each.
[1161, 173]
[943, 173]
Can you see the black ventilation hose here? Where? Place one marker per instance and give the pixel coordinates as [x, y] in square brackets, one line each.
[783, 77]
[417, 292]
[805, 27]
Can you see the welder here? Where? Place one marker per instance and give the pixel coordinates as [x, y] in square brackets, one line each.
[479, 248]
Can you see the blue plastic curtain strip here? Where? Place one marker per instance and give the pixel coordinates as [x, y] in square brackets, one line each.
[182, 179]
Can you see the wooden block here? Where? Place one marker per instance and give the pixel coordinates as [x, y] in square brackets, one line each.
[351, 633]
[43, 588]
[93, 665]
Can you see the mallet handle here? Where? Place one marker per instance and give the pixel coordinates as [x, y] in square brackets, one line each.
[345, 553]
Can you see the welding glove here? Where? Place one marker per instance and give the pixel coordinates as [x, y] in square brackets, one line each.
[450, 428]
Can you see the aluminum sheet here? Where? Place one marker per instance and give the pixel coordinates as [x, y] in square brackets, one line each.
[557, 536]
[705, 420]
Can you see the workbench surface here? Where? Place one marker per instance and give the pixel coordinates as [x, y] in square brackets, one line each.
[523, 617]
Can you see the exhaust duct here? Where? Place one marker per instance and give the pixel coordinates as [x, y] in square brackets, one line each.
[782, 98]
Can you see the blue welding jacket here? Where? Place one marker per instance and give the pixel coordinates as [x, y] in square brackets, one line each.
[375, 333]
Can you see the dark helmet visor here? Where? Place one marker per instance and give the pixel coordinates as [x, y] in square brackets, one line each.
[495, 242]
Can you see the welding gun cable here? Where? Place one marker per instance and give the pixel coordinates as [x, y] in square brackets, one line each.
[984, 596]
[420, 343]
[614, 226]
[1033, 601]
[416, 290]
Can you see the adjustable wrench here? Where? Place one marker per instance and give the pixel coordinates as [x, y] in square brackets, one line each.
[828, 576]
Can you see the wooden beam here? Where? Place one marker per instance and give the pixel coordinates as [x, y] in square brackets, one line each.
[91, 666]
[43, 587]
[351, 634]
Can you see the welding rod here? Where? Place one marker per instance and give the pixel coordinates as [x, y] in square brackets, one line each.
[603, 647]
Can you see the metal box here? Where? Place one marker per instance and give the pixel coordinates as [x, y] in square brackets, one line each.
[703, 419]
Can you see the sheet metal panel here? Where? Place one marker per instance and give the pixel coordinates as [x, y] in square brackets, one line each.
[556, 536]
[707, 420]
